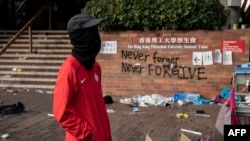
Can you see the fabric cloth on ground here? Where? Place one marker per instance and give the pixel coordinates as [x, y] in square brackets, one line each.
[11, 109]
[147, 100]
[190, 98]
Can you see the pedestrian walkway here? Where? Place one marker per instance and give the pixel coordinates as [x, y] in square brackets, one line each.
[161, 123]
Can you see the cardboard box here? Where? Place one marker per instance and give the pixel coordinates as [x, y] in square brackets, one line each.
[148, 138]
[183, 137]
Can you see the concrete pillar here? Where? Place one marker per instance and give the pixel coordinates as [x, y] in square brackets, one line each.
[233, 18]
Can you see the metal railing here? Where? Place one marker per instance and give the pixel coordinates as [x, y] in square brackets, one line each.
[19, 12]
[28, 26]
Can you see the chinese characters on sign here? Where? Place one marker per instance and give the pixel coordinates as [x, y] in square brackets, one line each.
[169, 40]
[206, 58]
[166, 43]
[199, 58]
[227, 58]
[217, 56]
[202, 58]
[108, 47]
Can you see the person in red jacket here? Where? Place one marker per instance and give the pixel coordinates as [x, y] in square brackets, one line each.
[78, 103]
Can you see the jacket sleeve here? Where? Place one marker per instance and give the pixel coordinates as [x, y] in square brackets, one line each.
[63, 93]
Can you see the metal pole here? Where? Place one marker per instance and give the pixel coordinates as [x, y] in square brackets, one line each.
[30, 39]
[49, 16]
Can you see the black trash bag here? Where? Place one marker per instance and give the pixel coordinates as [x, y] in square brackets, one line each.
[108, 99]
[12, 109]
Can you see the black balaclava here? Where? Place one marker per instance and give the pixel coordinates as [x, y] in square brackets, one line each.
[85, 38]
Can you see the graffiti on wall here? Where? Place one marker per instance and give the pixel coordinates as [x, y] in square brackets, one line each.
[160, 66]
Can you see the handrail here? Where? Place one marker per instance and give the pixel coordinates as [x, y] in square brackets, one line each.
[20, 6]
[27, 25]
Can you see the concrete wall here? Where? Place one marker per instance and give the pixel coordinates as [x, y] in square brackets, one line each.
[234, 14]
[167, 68]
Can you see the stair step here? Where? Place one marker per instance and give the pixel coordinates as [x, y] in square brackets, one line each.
[5, 73]
[40, 68]
[35, 31]
[30, 86]
[51, 41]
[27, 79]
[39, 50]
[39, 36]
[27, 56]
[32, 61]
[69, 46]
[30, 67]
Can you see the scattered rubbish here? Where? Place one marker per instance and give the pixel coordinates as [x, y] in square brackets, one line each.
[126, 101]
[203, 115]
[169, 105]
[147, 100]
[190, 131]
[205, 138]
[50, 115]
[135, 100]
[183, 137]
[181, 102]
[142, 104]
[200, 112]
[22, 58]
[224, 95]
[11, 109]
[9, 89]
[25, 90]
[190, 98]
[18, 69]
[135, 109]
[108, 99]
[7, 76]
[42, 37]
[219, 99]
[182, 115]
[148, 138]
[48, 92]
[110, 111]
[247, 97]
[26, 110]
[40, 91]
[5, 136]
[161, 100]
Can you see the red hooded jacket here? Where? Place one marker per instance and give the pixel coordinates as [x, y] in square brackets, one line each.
[78, 103]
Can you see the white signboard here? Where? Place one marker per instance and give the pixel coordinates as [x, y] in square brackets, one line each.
[217, 56]
[108, 47]
[197, 58]
[207, 58]
[227, 58]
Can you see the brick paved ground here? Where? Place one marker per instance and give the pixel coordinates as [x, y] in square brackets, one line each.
[160, 123]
